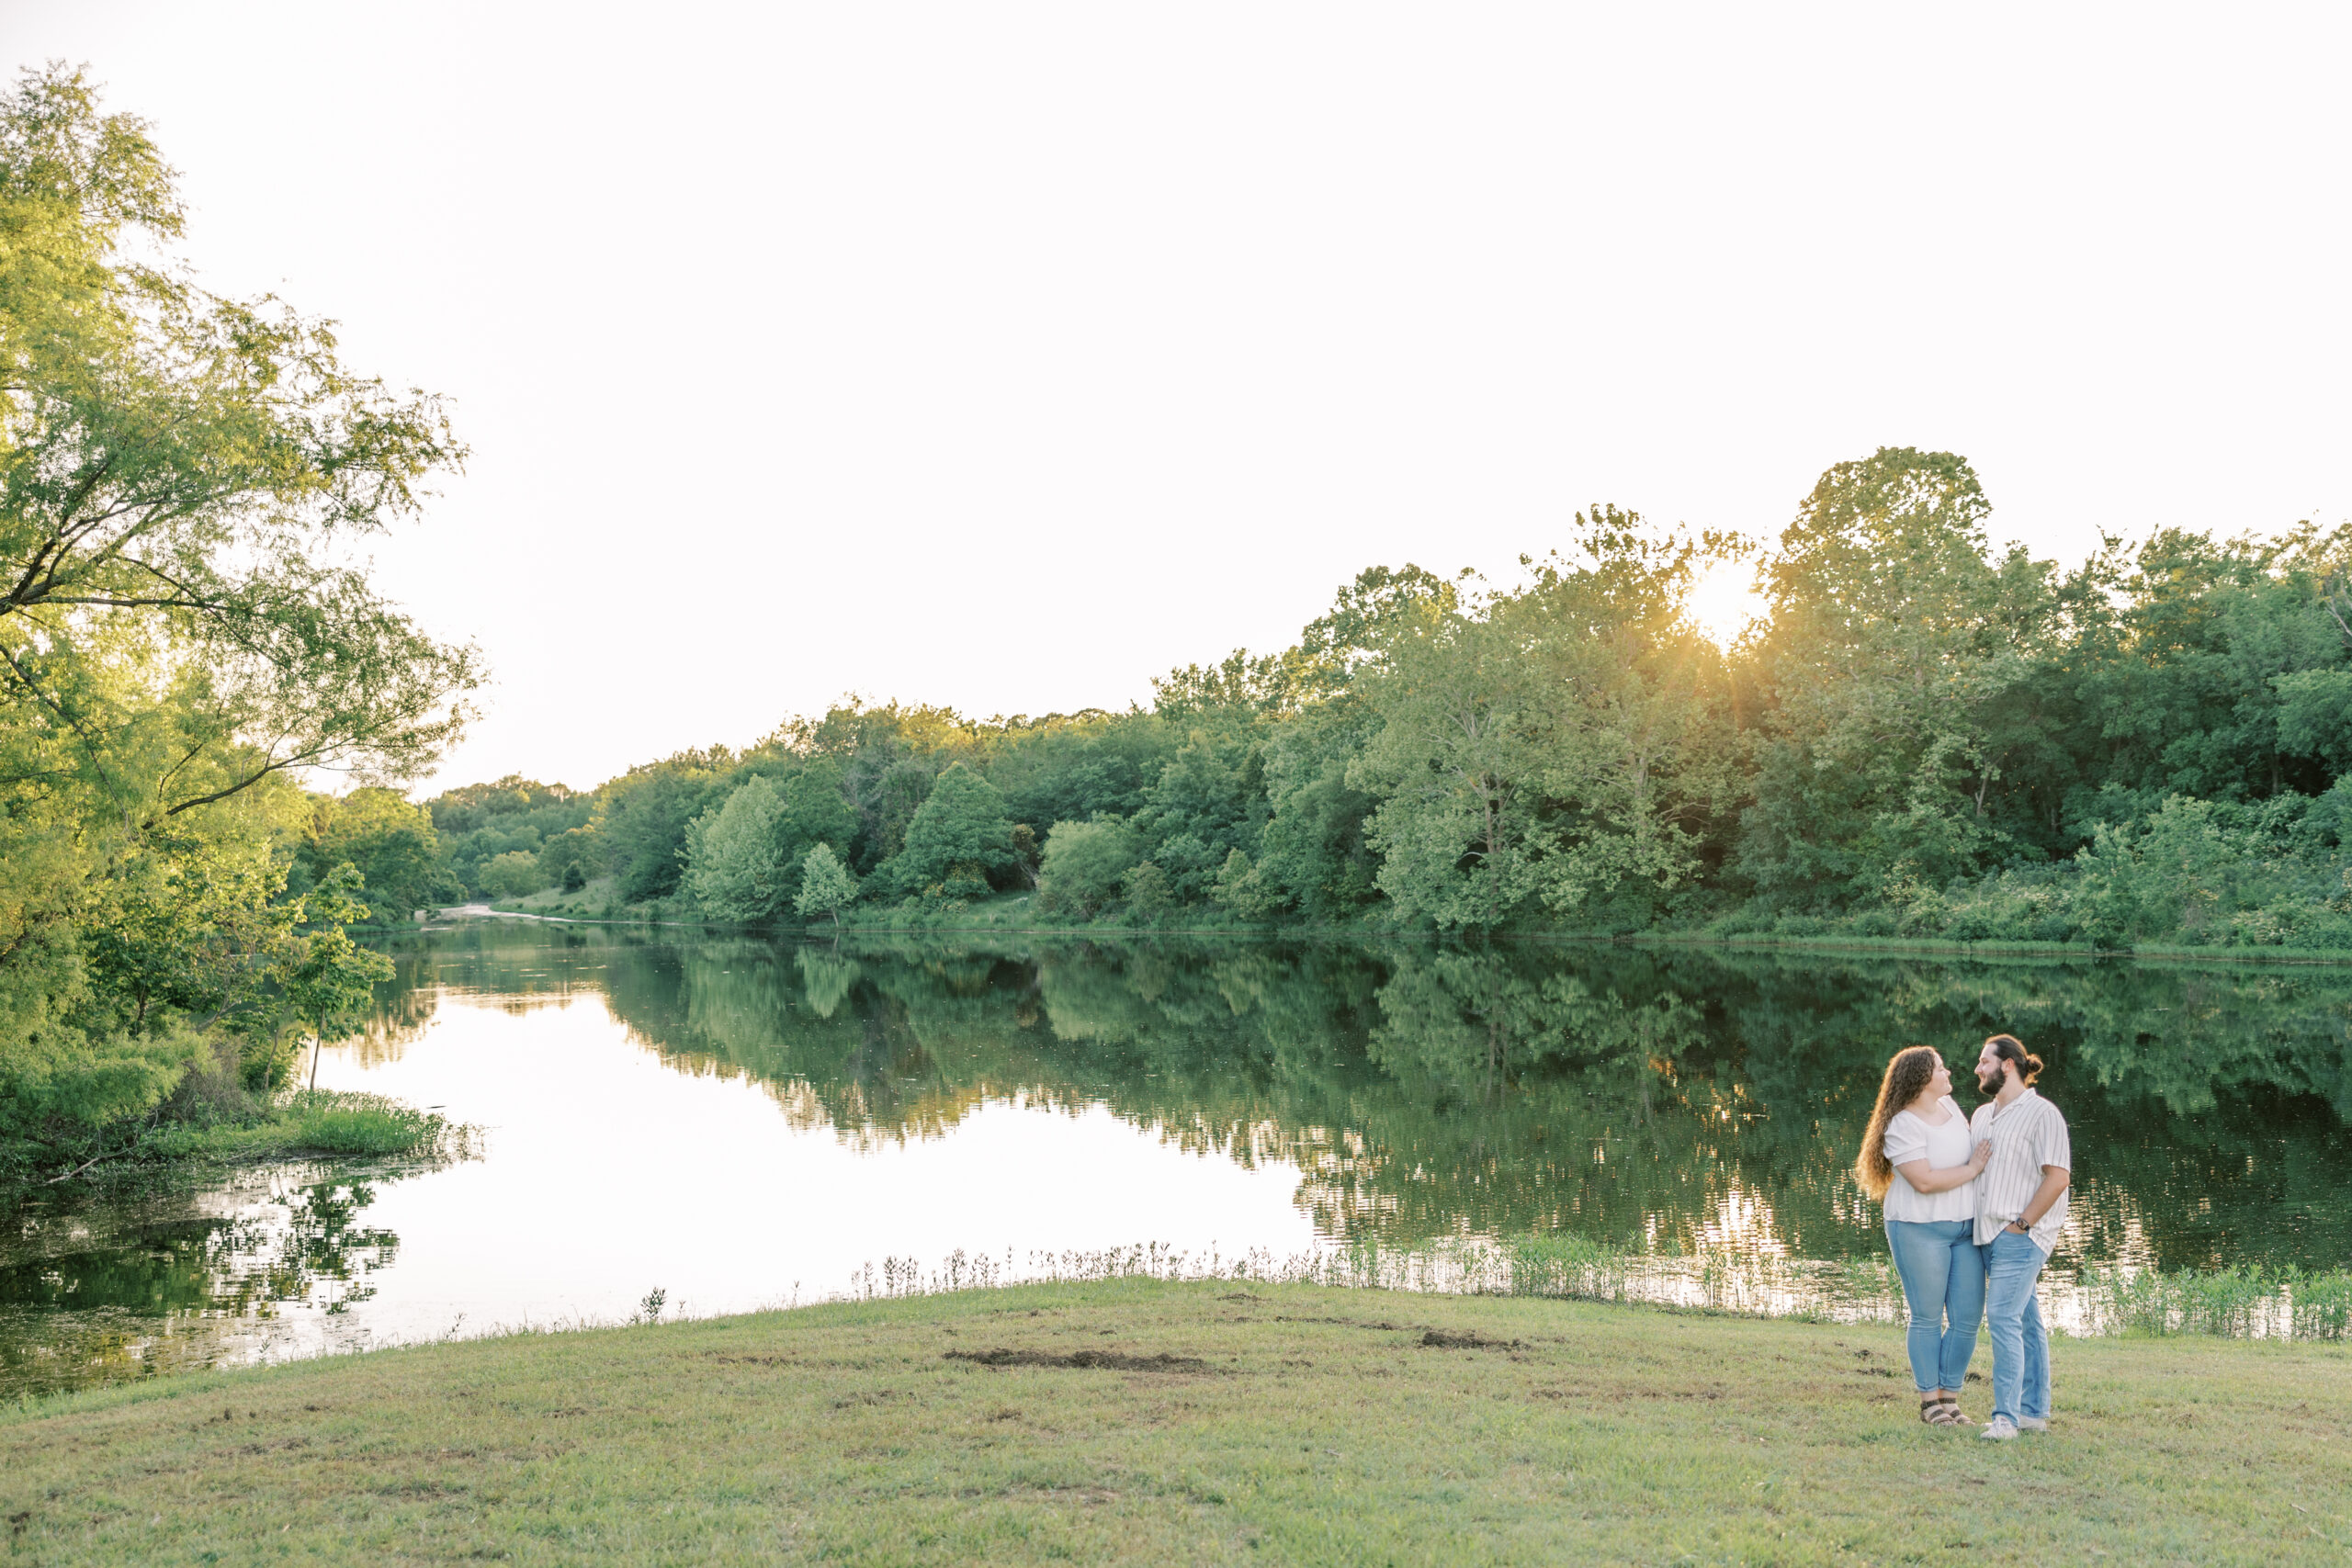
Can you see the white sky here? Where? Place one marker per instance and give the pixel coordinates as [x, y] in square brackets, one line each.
[1005, 355]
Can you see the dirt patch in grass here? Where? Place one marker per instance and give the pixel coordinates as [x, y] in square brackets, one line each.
[1083, 1361]
[1382, 1326]
[1469, 1340]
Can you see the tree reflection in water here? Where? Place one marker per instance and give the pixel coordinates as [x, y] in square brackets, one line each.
[98, 1288]
[1679, 1102]
[1673, 1099]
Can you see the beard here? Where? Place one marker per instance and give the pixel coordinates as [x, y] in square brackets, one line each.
[1990, 1084]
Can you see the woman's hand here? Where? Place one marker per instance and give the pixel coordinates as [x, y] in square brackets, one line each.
[1982, 1157]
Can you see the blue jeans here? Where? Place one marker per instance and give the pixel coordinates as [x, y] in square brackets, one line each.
[1943, 1282]
[2021, 1350]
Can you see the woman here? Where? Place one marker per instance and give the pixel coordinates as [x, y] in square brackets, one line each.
[1915, 1159]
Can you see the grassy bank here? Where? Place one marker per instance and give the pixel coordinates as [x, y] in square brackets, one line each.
[1141, 1421]
[319, 1123]
[1019, 914]
[325, 1122]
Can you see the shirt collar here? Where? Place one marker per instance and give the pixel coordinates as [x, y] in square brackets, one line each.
[2031, 1093]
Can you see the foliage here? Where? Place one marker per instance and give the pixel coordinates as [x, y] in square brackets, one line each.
[959, 840]
[517, 873]
[1084, 863]
[389, 842]
[185, 480]
[826, 885]
[1929, 738]
[733, 869]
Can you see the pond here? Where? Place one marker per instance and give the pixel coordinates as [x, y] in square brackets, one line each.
[739, 1123]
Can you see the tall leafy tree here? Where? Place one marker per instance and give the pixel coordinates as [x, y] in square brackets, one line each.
[1894, 638]
[1457, 768]
[1632, 709]
[958, 840]
[182, 479]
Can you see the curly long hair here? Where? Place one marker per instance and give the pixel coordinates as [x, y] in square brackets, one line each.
[1908, 1071]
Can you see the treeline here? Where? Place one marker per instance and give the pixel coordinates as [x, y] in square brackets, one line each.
[1923, 737]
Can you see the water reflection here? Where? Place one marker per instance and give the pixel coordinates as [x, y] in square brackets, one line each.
[1697, 1105]
[1677, 1098]
[99, 1291]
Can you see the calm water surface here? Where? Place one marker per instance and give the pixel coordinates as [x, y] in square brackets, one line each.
[740, 1123]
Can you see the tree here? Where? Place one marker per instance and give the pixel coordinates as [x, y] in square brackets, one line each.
[642, 819]
[744, 861]
[732, 871]
[1634, 712]
[182, 477]
[958, 840]
[1456, 766]
[1084, 863]
[1894, 642]
[392, 844]
[826, 887]
[176, 469]
[327, 980]
[514, 874]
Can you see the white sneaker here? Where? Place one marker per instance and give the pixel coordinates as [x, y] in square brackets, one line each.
[2033, 1423]
[2000, 1428]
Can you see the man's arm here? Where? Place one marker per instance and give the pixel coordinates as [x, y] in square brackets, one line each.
[2055, 1180]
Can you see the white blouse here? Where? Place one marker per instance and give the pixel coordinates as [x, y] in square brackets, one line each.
[1942, 1145]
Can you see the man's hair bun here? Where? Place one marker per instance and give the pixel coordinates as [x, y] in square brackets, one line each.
[2009, 1048]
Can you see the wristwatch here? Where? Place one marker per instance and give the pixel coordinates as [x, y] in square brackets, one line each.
[2020, 1226]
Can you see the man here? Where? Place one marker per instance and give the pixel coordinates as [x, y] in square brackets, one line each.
[2020, 1209]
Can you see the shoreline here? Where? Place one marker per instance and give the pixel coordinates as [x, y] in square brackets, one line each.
[1891, 947]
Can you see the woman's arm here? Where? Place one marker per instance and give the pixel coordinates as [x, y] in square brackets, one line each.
[1925, 1177]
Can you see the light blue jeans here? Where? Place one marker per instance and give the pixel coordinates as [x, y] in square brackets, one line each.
[1943, 1282]
[2021, 1350]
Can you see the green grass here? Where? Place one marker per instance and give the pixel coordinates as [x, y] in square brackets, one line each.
[2243, 1301]
[308, 1122]
[1300, 1425]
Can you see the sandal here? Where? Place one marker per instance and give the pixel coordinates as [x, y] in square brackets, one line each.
[1939, 1412]
[1951, 1416]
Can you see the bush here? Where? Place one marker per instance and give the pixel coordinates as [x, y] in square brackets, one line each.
[1084, 864]
[514, 874]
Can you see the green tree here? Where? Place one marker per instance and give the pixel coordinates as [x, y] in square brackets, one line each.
[826, 889]
[327, 980]
[176, 470]
[1894, 641]
[1634, 714]
[391, 844]
[182, 479]
[958, 840]
[642, 817]
[517, 873]
[732, 871]
[1456, 766]
[1084, 862]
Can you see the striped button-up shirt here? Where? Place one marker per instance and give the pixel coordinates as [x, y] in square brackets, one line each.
[2026, 1134]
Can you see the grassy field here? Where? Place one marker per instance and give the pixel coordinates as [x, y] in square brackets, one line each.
[1137, 1421]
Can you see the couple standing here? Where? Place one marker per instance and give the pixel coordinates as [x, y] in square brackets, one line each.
[1973, 1208]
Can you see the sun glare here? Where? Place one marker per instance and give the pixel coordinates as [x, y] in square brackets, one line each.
[1724, 600]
